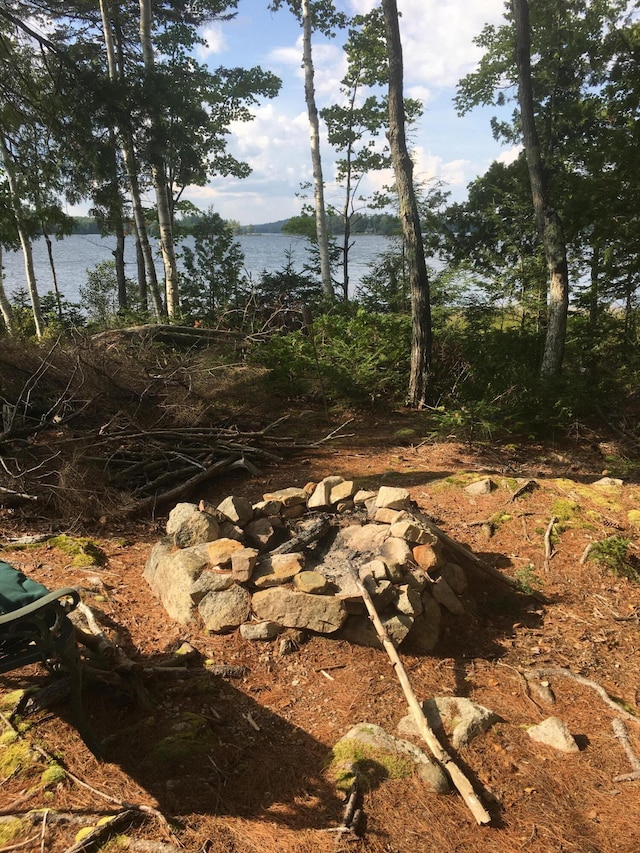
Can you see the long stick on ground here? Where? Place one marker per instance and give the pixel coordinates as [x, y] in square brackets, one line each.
[460, 781]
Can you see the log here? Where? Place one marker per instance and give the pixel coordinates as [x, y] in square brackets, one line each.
[460, 781]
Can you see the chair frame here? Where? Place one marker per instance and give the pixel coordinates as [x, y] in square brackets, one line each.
[41, 632]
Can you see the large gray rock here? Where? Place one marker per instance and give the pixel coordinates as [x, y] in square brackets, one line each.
[425, 633]
[445, 596]
[359, 630]
[365, 538]
[224, 611]
[260, 631]
[461, 717]
[237, 510]
[554, 732]
[393, 498]
[380, 747]
[187, 526]
[321, 497]
[321, 613]
[171, 575]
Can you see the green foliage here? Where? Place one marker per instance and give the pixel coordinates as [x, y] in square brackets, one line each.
[359, 359]
[99, 295]
[213, 269]
[613, 554]
[528, 580]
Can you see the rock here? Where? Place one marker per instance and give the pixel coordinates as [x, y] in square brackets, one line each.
[554, 732]
[293, 511]
[376, 568]
[408, 600]
[364, 539]
[393, 498]
[362, 496]
[481, 487]
[377, 752]
[396, 555]
[221, 551]
[428, 556]
[360, 631]
[311, 582]
[171, 574]
[321, 497]
[463, 718]
[243, 563]
[386, 516]
[343, 491]
[278, 569]
[231, 531]
[425, 632]
[444, 595]
[263, 631]
[267, 508]
[262, 533]
[608, 483]
[410, 532]
[287, 497]
[382, 592]
[455, 576]
[320, 613]
[187, 526]
[210, 582]
[236, 509]
[224, 611]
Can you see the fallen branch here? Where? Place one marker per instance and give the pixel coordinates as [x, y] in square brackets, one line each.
[620, 731]
[548, 545]
[460, 781]
[541, 674]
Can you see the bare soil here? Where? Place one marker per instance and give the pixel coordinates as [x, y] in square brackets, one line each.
[261, 781]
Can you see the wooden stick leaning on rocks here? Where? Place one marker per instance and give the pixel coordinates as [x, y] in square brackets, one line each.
[460, 781]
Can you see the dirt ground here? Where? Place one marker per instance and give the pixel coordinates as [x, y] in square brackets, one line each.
[260, 782]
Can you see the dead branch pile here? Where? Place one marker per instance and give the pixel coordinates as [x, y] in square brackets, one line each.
[95, 429]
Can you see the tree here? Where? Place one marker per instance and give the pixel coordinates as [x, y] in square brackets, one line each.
[356, 126]
[421, 337]
[547, 218]
[321, 15]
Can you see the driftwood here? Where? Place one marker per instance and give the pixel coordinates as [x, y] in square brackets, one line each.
[620, 731]
[460, 781]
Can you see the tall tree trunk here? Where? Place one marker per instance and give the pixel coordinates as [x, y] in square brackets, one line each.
[5, 306]
[131, 167]
[118, 254]
[159, 180]
[421, 337]
[54, 275]
[314, 133]
[548, 222]
[25, 240]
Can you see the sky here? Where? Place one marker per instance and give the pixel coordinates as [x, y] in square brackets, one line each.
[437, 39]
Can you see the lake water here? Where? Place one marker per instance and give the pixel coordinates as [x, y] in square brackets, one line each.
[74, 255]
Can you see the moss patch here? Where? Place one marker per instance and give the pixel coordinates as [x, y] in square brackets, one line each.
[351, 759]
[190, 736]
[14, 754]
[10, 830]
[83, 552]
[53, 775]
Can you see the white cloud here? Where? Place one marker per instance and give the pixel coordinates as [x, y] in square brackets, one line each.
[215, 42]
[510, 156]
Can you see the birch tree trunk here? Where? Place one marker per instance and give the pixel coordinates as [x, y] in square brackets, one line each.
[314, 133]
[421, 335]
[25, 240]
[159, 181]
[5, 306]
[547, 219]
[131, 167]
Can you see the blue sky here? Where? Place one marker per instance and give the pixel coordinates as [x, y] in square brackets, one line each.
[438, 49]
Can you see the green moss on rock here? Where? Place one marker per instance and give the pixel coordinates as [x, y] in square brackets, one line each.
[83, 552]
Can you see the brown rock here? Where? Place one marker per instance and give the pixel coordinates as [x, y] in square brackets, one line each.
[220, 551]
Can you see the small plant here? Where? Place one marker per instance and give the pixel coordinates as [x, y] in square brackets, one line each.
[613, 554]
[528, 580]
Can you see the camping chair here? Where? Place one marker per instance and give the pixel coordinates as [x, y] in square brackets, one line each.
[39, 631]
